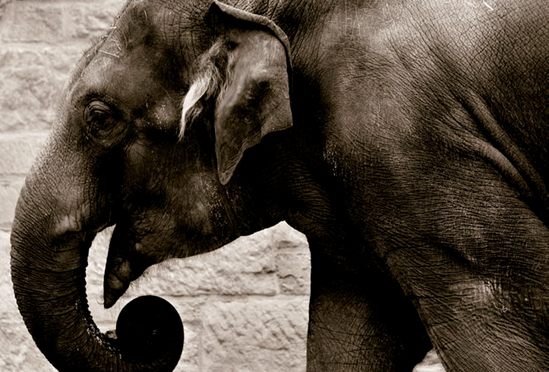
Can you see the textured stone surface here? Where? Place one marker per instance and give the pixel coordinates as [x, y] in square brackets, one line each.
[85, 20]
[431, 363]
[58, 21]
[30, 21]
[18, 152]
[255, 335]
[31, 81]
[9, 192]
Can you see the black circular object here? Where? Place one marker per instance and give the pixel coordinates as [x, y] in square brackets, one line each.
[149, 329]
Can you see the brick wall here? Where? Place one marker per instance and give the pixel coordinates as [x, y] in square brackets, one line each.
[244, 306]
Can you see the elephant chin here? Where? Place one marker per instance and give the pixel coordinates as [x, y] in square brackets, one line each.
[48, 275]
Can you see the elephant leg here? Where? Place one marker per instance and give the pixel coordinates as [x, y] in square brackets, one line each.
[478, 267]
[360, 321]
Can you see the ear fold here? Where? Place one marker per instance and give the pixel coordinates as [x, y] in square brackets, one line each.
[254, 96]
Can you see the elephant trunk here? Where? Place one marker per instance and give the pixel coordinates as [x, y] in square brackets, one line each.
[51, 236]
[53, 302]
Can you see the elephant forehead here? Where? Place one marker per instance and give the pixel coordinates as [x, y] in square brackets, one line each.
[94, 73]
[120, 78]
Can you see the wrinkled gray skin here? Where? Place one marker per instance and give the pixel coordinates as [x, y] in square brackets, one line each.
[406, 139]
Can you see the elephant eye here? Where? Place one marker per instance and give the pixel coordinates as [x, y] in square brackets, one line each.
[100, 120]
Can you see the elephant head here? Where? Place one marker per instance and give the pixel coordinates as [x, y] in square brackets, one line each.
[153, 124]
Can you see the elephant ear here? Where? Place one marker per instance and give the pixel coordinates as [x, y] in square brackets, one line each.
[249, 70]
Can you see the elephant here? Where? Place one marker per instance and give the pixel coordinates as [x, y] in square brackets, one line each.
[406, 139]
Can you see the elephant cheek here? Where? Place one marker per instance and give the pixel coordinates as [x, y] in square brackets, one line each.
[207, 206]
[202, 215]
[163, 115]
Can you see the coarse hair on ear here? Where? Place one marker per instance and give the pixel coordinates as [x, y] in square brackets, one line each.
[206, 84]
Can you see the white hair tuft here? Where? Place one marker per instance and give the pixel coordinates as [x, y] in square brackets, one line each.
[196, 91]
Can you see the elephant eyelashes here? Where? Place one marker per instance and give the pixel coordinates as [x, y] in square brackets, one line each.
[100, 121]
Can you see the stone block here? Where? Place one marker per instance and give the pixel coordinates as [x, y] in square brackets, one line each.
[55, 22]
[293, 261]
[255, 335]
[431, 363]
[9, 193]
[7, 299]
[31, 83]
[294, 272]
[32, 22]
[3, 6]
[290, 239]
[89, 20]
[61, 57]
[18, 152]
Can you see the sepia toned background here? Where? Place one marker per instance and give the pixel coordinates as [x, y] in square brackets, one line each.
[244, 306]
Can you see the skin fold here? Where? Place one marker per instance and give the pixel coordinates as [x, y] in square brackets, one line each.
[405, 139]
